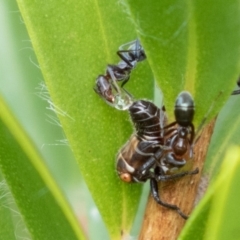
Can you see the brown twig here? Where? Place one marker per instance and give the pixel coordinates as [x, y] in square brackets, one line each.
[161, 223]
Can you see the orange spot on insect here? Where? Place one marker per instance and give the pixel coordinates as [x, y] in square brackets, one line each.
[126, 177]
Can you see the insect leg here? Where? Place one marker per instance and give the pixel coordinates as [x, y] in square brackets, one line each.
[176, 176]
[113, 78]
[121, 52]
[155, 194]
[124, 82]
[235, 92]
[144, 172]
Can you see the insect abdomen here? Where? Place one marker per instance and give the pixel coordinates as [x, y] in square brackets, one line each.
[148, 120]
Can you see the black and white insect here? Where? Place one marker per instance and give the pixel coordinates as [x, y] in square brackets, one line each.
[107, 85]
[157, 151]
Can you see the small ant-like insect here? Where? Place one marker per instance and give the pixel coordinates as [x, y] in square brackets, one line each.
[106, 85]
[130, 56]
[156, 151]
[181, 137]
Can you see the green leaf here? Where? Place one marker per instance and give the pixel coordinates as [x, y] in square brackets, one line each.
[74, 41]
[226, 133]
[212, 219]
[11, 222]
[224, 217]
[187, 47]
[6, 220]
[198, 222]
[193, 46]
[32, 186]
